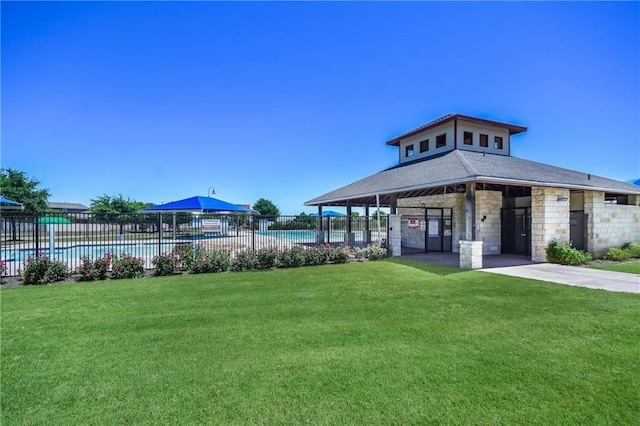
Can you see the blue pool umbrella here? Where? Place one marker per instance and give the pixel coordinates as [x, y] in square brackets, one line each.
[7, 204]
[199, 205]
[328, 213]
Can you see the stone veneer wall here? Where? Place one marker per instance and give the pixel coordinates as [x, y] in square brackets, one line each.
[549, 219]
[471, 254]
[453, 200]
[489, 231]
[610, 225]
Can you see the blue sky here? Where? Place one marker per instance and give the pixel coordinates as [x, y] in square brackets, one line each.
[158, 101]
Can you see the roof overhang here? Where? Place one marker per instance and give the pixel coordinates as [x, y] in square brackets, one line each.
[369, 198]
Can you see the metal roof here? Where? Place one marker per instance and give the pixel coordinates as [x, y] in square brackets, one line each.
[199, 204]
[67, 206]
[459, 167]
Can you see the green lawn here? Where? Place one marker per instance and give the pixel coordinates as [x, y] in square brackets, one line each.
[389, 342]
[632, 267]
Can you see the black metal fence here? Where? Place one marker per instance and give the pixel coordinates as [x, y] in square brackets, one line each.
[70, 237]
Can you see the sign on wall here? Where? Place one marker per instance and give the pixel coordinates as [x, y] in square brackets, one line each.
[413, 223]
[434, 227]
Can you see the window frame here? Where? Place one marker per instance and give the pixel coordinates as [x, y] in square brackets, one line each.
[498, 142]
[424, 144]
[466, 134]
[407, 149]
[485, 143]
[439, 138]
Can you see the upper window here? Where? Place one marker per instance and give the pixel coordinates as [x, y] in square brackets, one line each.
[484, 141]
[468, 138]
[408, 151]
[497, 142]
[441, 140]
[424, 145]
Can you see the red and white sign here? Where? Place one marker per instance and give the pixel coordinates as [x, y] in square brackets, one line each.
[211, 225]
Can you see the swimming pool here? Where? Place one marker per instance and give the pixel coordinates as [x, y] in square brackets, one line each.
[306, 236]
[93, 251]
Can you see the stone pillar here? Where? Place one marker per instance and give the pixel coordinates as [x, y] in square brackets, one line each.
[488, 220]
[549, 219]
[395, 235]
[471, 254]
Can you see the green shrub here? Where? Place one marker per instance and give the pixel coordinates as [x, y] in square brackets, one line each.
[317, 255]
[618, 254]
[564, 253]
[42, 270]
[633, 248]
[375, 252]
[292, 257]
[166, 264]
[127, 266]
[338, 254]
[94, 270]
[210, 262]
[246, 260]
[266, 258]
[3, 272]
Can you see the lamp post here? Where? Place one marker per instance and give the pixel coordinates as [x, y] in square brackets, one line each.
[211, 191]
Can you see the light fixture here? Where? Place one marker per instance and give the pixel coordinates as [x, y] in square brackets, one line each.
[562, 198]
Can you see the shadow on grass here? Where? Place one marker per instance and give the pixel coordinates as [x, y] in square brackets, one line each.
[433, 268]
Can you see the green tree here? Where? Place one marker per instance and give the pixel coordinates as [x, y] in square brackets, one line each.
[17, 186]
[116, 209]
[266, 207]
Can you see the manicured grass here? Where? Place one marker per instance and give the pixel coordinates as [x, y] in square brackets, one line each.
[632, 267]
[384, 342]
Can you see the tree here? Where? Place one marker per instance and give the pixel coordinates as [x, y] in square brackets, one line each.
[266, 207]
[16, 186]
[116, 209]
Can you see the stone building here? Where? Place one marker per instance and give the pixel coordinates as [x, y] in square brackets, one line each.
[457, 185]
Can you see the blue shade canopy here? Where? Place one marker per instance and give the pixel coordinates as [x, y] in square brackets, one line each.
[8, 204]
[635, 182]
[328, 213]
[200, 205]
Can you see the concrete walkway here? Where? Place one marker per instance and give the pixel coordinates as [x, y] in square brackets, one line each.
[573, 275]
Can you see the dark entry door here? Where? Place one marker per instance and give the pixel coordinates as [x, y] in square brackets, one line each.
[516, 231]
[577, 229]
[438, 233]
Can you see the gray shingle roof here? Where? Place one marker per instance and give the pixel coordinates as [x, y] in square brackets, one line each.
[460, 166]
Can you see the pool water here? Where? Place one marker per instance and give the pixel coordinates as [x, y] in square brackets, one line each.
[144, 250]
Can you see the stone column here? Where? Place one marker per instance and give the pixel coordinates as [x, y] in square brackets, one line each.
[471, 254]
[395, 235]
[549, 219]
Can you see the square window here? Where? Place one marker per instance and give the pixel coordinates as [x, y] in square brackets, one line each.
[408, 152]
[484, 141]
[424, 145]
[468, 138]
[497, 142]
[441, 140]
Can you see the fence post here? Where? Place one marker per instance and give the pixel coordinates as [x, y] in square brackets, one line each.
[37, 226]
[253, 232]
[159, 233]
